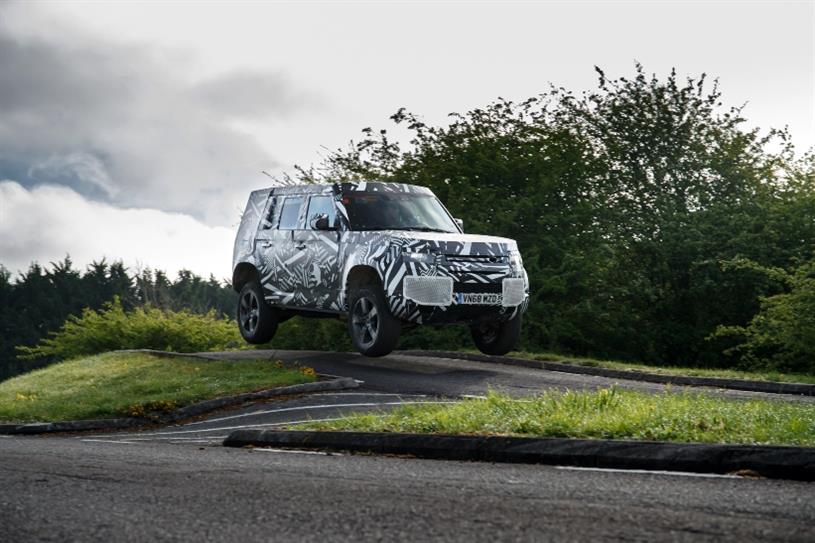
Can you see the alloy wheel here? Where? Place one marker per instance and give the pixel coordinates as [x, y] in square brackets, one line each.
[249, 312]
[365, 320]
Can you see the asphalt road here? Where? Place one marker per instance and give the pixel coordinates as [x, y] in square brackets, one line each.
[63, 489]
[410, 374]
[177, 483]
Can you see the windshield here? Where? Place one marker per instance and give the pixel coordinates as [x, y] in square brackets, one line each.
[397, 211]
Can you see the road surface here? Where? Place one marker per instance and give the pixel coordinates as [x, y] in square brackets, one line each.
[177, 483]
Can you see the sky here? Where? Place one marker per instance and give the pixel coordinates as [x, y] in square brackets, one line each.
[136, 131]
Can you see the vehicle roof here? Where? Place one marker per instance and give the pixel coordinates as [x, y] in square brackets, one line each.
[361, 186]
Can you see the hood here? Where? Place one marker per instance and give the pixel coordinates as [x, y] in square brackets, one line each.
[453, 243]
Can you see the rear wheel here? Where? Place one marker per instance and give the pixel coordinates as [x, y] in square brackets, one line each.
[374, 331]
[497, 338]
[256, 320]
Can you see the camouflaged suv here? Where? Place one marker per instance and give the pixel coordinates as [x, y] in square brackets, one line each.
[380, 255]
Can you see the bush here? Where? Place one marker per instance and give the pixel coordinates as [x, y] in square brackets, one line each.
[312, 334]
[113, 328]
[782, 335]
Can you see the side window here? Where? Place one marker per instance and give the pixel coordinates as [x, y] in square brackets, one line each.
[268, 218]
[321, 204]
[290, 213]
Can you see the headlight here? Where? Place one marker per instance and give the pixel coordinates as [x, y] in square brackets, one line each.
[419, 258]
[515, 260]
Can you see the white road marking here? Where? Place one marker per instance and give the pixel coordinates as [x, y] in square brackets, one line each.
[110, 441]
[154, 436]
[342, 394]
[207, 430]
[652, 472]
[176, 438]
[296, 451]
[305, 408]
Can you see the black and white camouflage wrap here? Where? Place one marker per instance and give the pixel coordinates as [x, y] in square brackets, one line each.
[308, 269]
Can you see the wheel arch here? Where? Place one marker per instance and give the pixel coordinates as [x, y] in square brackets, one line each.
[359, 274]
[243, 273]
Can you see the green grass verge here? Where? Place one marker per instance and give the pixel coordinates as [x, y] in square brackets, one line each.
[671, 370]
[605, 414]
[133, 384]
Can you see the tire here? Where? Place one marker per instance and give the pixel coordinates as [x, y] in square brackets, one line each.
[373, 329]
[256, 320]
[497, 338]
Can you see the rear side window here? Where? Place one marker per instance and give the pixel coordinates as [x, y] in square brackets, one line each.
[318, 205]
[290, 213]
[268, 218]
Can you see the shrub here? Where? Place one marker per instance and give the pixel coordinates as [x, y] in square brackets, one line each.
[113, 328]
[782, 335]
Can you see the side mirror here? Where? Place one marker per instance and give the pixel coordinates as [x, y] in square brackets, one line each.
[460, 224]
[320, 222]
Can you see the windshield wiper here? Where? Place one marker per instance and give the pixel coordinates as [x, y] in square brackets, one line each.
[426, 229]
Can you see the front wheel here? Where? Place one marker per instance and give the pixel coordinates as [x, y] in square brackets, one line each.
[374, 330]
[256, 320]
[497, 338]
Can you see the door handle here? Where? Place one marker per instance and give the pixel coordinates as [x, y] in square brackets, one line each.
[266, 244]
[300, 245]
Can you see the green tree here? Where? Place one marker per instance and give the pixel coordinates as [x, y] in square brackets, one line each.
[624, 201]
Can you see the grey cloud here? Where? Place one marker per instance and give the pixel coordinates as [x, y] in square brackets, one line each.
[252, 94]
[123, 124]
[85, 167]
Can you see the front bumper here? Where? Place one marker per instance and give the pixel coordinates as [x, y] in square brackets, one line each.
[441, 291]
[446, 296]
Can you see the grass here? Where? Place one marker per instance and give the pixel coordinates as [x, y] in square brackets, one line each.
[671, 370]
[607, 413]
[133, 384]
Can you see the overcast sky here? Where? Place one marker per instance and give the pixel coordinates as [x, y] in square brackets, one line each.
[135, 131]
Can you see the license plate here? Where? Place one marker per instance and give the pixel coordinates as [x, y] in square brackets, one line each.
[477, 298]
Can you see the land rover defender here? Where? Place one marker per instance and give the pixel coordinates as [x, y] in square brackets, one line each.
[379, 255]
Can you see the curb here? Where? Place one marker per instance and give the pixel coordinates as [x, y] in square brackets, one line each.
[193, 410]
[768, 387]
[796, 463]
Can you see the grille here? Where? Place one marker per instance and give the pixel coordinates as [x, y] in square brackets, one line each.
[513, 292]
[429, 290]
[489, 288]
[484, 259]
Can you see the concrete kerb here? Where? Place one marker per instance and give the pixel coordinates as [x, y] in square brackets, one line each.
[796, 463]
[340, 383]
[768, 387]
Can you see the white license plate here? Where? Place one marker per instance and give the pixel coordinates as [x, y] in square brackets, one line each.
[477, 298]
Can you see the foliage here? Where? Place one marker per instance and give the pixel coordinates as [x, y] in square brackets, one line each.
[312, 334]
[627, 203]
[603, 414]
[113, 328]
[42, 298]
[188, 291]
[133, 384]
[782, 334]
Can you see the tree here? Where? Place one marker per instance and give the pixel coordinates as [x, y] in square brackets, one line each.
[624, 201]
[40, 300]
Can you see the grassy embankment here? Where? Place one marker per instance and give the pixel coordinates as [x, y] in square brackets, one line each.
[608, 414]
[133, 384]
[671, 370]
